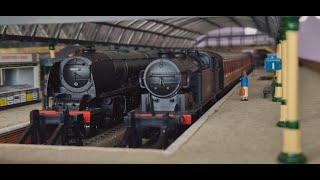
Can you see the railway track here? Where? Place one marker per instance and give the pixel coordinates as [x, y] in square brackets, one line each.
[108, 138]
[105, 138]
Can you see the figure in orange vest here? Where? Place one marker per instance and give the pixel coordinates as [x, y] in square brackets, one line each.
[244, 86]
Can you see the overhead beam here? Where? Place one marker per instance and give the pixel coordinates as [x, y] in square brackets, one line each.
[7, 20]
[68, 41]
[229, 36]
[132, 34]
[239, 48]
[257, 24]
[211, 22]
[268, 29]
[234, 20]
[268, 25]
[140, 30]
[130, 24]
[30, 50]
[185, 22]
[177, 27]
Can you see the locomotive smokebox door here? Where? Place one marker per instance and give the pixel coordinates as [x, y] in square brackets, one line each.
[272, 63]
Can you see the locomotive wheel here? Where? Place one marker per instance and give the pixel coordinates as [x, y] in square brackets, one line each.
[138, 138]
[86, 130]
[125, 140]
[93, 130]
[79, 142]
[74, 140]
[111, 121]
[154, 135]
[90, 130]
[163, 139]
[117, 120]
[132, 138]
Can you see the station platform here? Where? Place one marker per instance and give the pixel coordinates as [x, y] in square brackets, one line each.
[232, 131]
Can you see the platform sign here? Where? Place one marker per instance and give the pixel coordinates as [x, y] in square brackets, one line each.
[3, 100]
[34, 94]
[29, 96]
[16, 98]
[16, 65]
[9, 99]
[23, 96]
[272, 63]
[15, 58]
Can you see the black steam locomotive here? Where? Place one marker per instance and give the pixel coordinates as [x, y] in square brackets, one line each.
[181, 86]
[88, 90]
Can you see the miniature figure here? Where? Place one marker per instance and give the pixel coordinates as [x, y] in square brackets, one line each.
[244, 86]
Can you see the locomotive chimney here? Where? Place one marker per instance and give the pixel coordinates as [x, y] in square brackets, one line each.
[187, 52]
[89, 49]
[179, 55]
[164, 54]
[196, 54]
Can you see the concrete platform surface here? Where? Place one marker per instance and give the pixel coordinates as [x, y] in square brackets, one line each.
[237, 132]
[14, 116]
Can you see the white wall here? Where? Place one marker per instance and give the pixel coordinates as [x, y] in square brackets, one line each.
[309, 39]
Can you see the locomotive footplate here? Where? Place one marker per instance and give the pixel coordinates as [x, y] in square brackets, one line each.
[70, 126]
[155, 120]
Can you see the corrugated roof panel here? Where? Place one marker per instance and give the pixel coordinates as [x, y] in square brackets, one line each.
[115, 34]
[88, 31]
[159, 41]
[13, 30]
[156, 27]
[171, 20]
[103, 33]
[126, 23]
[182, 21]
[65, 31]
[144, 39]
[148, 25]
[27, 30]
[176, 31]
[169, 30]
[201, 26]
[2, 28]
[40, 32]
[186, 27]
[125, 36]
[138, 24]
[193, 24]
[165, 42]
[164, 28]
[177, 43]
[137, 35]
[170, 42]
[152, 39]
[218, 20]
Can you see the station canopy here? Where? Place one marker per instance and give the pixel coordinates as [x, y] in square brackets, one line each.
[142, 31]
